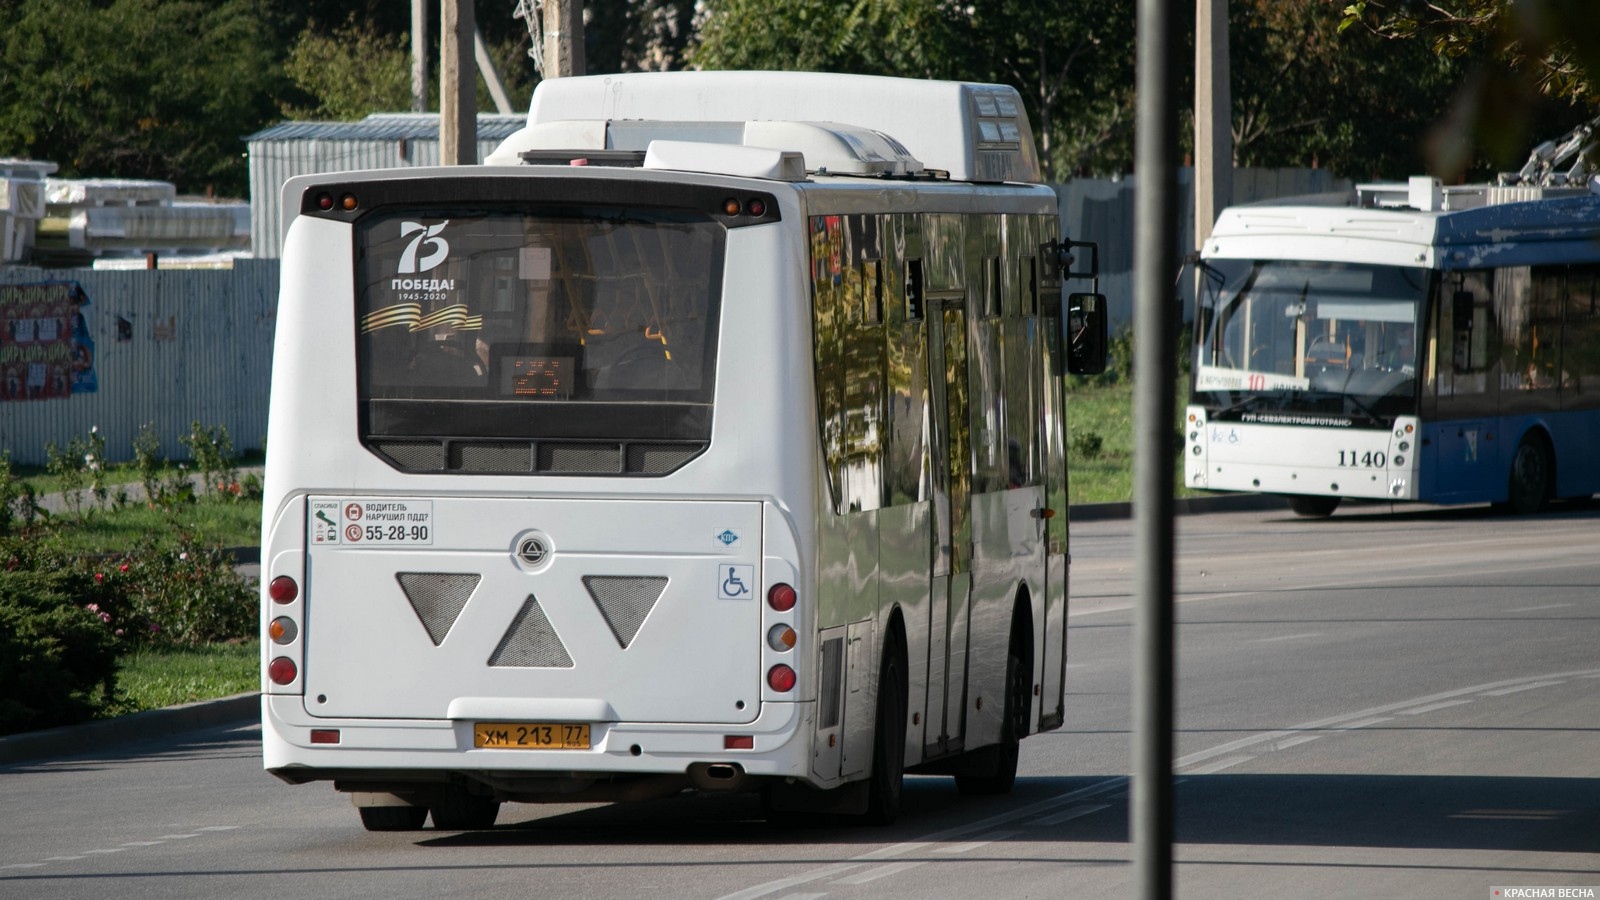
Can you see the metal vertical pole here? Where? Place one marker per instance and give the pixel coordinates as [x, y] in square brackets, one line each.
[419, 55]
[1155, 370]
[458, 86]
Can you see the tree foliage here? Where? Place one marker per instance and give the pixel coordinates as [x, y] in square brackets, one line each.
[136, 88]
[1534, 68]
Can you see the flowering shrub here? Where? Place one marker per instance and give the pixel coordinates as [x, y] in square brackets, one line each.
[171, 592]
[57, 658]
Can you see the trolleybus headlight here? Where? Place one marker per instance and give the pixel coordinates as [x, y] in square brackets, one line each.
[1405, 445]
[283, 589]
[1399, 460]
[781, 597]
[283, 630]
[780, 678]
[781, 638]
[282, 670]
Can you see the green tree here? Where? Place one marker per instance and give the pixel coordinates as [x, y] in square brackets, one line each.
[1072, 65]
[136, 88]
[1526, 53]
[349, 72]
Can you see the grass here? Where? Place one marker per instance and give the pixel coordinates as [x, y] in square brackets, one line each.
[105, 531]
[152, 679]
[1100, 444]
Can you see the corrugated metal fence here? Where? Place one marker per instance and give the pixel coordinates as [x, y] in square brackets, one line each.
[170, 347]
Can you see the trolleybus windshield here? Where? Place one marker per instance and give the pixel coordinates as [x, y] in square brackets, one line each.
[1309, 338]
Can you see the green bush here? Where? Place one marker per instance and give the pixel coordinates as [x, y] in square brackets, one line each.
[57, 655]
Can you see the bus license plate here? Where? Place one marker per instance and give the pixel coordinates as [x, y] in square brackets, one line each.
[529, 736]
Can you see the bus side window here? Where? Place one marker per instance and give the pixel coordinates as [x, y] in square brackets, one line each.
[1581, 355]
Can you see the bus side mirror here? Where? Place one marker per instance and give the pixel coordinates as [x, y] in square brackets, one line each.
[1085, 325]
[1461, 310]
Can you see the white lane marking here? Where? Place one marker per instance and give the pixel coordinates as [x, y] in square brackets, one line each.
[218, 828]
[1269, 737]
[982, 841]
[22, 866]
[1519, 688]
[1073, 813]
[1286, 637]
[1342, 583]
[874, 874]
[178, 837]
[1362, 723]
[1224, 763]
[143, 843]
[112, 850]
[1294, 741]
[1033, 809]
[1431, 707]
[1538, 608]
[60, 858]
[802, 897]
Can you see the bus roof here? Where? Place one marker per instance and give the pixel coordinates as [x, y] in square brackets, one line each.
[1480, 228]
[971, 132]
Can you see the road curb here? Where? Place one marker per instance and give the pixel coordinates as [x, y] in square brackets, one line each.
[152, 723]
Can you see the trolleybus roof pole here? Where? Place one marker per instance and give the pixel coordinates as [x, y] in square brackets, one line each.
[1155, 258]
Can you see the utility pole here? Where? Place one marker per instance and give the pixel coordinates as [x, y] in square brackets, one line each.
[419, 55]
[563, 38]
[1213, 116]
[1155, 370]
[458, 85]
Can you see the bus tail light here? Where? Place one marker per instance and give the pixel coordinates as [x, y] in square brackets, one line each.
[738, 742]
[781, 678]
[282, 630]
[282, 671]
[781, 597]
[283, 589]
[781, 638]
[324, 735]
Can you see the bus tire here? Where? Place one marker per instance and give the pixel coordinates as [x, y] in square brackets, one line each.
[1015, 724]
[393, 818]
[1313, 507]
[1529, 483]
[888, 741]
[456, 809]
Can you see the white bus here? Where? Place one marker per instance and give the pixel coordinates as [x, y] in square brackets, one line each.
[1414, 343]
[698, 442]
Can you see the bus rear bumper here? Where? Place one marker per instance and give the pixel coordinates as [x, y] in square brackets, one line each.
[421, 751]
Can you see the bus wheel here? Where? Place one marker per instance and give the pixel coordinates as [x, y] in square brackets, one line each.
[1012, 728]
[393, 818]
[1530, 477]
[1313, 507]
[888, 742]
[458, 810]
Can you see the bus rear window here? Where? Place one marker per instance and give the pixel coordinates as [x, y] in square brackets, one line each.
[563, 323]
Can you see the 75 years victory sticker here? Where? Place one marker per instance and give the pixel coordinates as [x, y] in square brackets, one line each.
[378, 523]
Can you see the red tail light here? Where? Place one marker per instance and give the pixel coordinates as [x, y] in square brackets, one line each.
[283, 589]
[781, 597]
[781, 678]
[282, 670]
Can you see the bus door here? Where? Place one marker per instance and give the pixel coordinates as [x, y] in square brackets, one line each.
[1460, 434]
[952, 529]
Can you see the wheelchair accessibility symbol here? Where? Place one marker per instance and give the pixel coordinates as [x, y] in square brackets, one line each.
[735, 582]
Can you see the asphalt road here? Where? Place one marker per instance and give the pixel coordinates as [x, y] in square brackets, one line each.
[1377, 705]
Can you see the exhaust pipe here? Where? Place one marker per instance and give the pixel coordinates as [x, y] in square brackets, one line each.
[720, 777]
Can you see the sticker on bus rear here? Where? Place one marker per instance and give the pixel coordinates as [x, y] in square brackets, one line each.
[370, 523]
